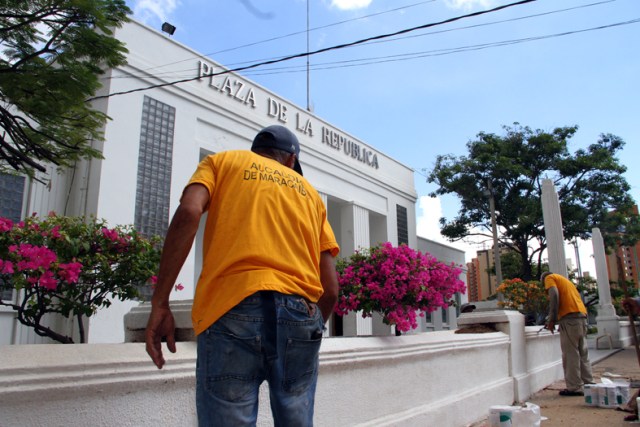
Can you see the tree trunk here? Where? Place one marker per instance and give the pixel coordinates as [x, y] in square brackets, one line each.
[525, 268]
[81, 328]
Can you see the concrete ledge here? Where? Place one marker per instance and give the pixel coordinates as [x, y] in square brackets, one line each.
[362, 380]
[441, 410]
[135, 321]
[421, 379]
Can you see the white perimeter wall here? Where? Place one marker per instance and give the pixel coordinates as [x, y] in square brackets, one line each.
[436, 379]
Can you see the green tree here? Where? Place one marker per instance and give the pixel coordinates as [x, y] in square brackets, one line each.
[53, 53]
[590, 185]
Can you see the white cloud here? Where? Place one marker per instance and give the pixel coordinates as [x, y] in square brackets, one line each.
[428, 219]
[428, 226]
[469, 4]
[154, 10]
[350, 4]
[585, 253]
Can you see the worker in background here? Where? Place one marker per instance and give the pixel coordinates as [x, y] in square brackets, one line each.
[569, 312]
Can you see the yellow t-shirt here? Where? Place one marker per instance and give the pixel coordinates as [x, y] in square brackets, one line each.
[265, 229]
[568, 295]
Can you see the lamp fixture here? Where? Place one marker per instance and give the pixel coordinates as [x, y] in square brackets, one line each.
[168, 28]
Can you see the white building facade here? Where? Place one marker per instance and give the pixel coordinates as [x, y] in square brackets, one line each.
[157, 136]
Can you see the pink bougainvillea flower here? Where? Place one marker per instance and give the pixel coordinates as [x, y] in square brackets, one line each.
[55, 232]
[110, 234]
[153, 280]
[179, 287]
[70, 272]
[47, 281]
[34, 257]
[5, 225]
[6, 267]
[398, 282]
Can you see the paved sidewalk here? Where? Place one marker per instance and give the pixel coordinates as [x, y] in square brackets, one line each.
[561, 411]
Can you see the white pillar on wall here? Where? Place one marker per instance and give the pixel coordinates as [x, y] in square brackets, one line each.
[361, 227]
[607, 320]
[324, 198]
[436, 320]
[362, 241]
[355, 234]
[553, 228]
[329, 324]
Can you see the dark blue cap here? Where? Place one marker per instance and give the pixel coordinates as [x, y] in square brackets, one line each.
[281, 138]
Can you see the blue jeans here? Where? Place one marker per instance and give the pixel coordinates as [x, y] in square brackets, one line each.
[268, 336]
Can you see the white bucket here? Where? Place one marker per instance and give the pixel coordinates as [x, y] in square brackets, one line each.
[515, 416]
[591, 394]
[612, 395]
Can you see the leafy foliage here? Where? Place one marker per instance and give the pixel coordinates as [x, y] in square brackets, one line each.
[589, 182]
[53, 53]
[588, 287]
[71, 267]
[396, 282]
[530, 298]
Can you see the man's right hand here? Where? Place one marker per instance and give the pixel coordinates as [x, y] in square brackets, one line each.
[161, 325]
[551, 326]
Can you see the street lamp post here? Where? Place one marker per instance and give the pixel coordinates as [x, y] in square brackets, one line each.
[496, 247]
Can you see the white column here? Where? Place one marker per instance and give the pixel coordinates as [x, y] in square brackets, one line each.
[355, 233]
[361, 240]
[324, 199]
[436, 320]
[553, 228]
[361, 237]
[329, 324]
[607, 320]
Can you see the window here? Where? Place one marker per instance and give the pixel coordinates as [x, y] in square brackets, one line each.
[428, 317]
[403, 228]
[11, 195]
[445, 315]
[154, 167]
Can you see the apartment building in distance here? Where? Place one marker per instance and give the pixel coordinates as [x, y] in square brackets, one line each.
[623, 263]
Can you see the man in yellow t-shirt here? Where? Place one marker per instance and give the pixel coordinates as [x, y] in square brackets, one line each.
[267, 286]
[567, 309]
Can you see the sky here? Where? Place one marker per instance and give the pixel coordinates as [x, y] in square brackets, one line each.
[427, 92]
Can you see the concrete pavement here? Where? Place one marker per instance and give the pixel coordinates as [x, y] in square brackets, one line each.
[560, 411]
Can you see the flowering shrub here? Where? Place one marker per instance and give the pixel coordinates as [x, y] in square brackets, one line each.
[72, 267]
[530, 298]
[396, 282]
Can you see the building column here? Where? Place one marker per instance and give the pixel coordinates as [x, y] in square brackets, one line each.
[355, 229]
[330, 321]
[355, 236]
[607, 320]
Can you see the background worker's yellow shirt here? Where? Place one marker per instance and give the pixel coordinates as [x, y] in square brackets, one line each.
[265, 229]
[570, 301]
